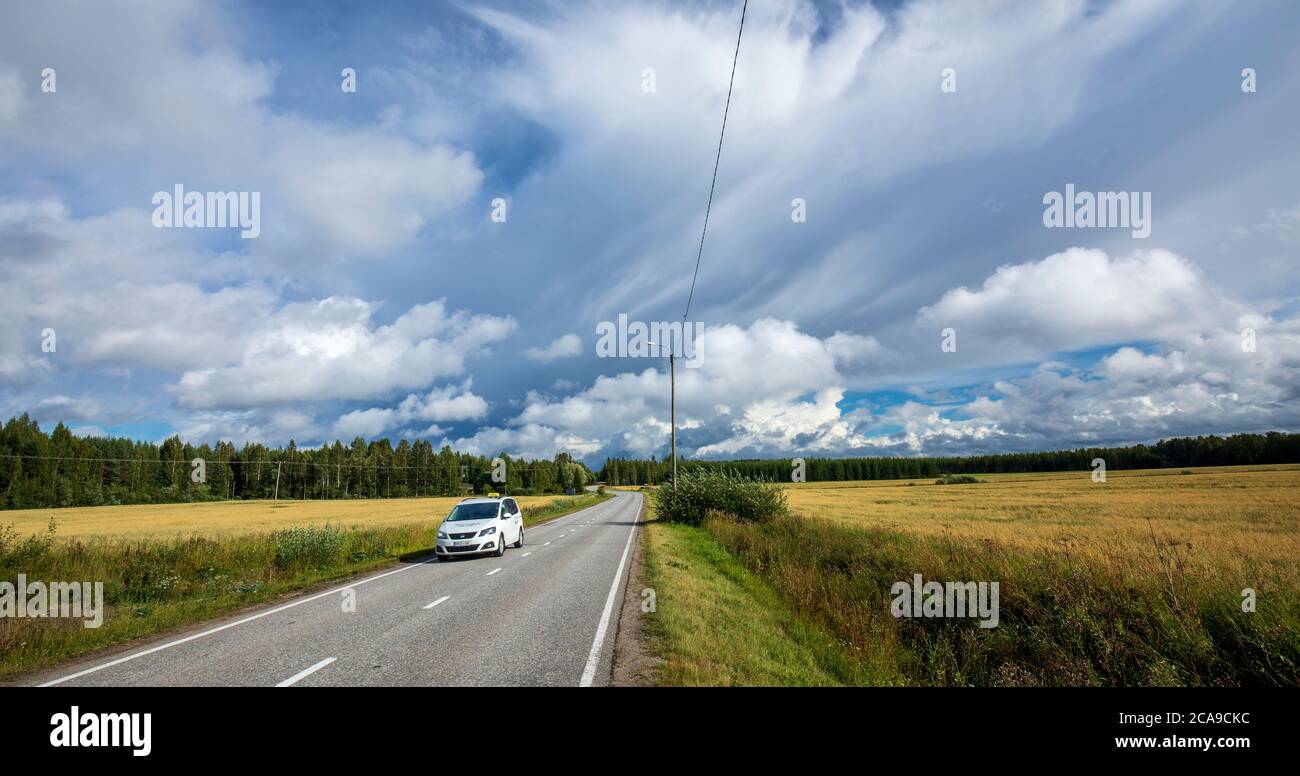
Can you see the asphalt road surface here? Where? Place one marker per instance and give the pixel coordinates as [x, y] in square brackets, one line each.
[544, 614]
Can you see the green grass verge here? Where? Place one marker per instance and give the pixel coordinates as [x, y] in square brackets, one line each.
[717, 623]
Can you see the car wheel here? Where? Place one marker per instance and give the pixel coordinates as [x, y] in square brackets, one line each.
[444, 558]
[501, 544]
[520, 541]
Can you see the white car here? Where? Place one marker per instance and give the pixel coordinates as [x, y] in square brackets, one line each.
[477, 526]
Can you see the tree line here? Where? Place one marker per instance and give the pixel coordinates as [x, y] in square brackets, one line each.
[1239, 449]
[60, 469]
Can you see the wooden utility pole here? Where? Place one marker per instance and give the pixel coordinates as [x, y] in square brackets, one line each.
[672, 388]
[278, 464]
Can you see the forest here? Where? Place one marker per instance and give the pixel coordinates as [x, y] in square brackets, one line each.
[61, 469]
[1238, 449]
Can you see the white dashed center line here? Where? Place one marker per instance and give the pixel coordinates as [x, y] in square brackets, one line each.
[493, 571]
[526, 554]
[306, 672]
[435, 603]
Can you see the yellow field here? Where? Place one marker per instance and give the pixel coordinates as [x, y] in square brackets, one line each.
[1219, 518]
[229, 518]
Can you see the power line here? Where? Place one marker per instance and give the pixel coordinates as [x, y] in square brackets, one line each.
[716, 161]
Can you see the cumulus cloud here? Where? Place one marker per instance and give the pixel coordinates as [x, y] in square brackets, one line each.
[1083, 297]
[362, 191]
[772, 389]
[530, 440]
[331, 349]
[446, 404]
[117, 294]
[69, 408]
[758, 367]
[567, 346]
[266, 426]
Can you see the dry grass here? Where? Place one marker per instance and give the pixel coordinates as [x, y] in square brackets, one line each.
[233, 518]
[1236, 521]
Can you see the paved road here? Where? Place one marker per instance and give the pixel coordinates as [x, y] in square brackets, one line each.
[542, 615]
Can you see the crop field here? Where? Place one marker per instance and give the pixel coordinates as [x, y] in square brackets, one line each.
[1156, 577]
[1218, 520]
[232, 518]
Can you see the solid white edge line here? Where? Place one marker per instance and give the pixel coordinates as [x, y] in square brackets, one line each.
[219, 628]
[493, 571]
[306, 672]
[435, 603]
[593, 659]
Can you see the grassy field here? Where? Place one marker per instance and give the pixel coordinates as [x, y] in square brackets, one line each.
[167, 566]
[233, 518]
[1135, 581]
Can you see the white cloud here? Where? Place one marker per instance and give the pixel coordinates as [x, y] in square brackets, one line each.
[850, 105]
[530, 440]
[269, 426]
[364, 423]
[567, 346]
[363, 192]
[117, 293]
[446, 404]
[64, 408]
[165, 84]
[331, 349]
[771, 389]
[1083, 297]
[11, 96]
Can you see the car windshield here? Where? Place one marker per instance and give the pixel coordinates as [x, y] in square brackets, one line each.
[480, 511]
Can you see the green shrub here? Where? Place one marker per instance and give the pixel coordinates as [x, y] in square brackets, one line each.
[307, 546]
[957, 479]
[15, 551]
[701, 491]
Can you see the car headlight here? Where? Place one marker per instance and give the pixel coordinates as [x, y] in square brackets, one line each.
[488, 531]
[442, 534]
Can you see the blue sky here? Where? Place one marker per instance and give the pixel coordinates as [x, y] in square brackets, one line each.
[381, 298]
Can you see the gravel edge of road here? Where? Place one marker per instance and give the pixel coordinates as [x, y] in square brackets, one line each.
[633, 665]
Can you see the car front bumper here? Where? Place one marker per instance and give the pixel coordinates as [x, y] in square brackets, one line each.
[474, 546]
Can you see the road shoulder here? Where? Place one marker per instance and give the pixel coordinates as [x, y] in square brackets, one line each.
[634, 665]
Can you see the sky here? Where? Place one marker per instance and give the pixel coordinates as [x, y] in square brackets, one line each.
[439, 248]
